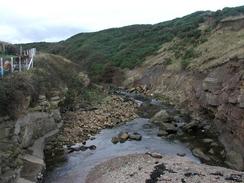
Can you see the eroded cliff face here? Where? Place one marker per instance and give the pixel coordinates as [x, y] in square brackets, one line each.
[218, 94]
[213, 86]
[22, 141]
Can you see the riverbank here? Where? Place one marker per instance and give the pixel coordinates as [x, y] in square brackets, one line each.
[167, 131]
[139, 168]
[79, 126]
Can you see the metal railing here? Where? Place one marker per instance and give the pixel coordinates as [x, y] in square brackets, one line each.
[17, 63]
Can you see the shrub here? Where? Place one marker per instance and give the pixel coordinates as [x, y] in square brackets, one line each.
[184, 63]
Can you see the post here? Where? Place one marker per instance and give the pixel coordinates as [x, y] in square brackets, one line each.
[26, 62]
[4, 48]
[12, 64]
[1, 63]
[20, 50]
[32, 63]
[19, 64]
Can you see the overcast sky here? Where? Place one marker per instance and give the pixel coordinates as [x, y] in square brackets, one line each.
[54, 20]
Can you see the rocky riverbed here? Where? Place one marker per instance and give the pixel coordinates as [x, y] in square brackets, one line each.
[79, 126]
[175, 135]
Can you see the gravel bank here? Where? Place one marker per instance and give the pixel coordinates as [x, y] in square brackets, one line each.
[79, 126]
[138, 168]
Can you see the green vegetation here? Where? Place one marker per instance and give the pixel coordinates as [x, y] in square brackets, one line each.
[226, 12]
[128, 46]
[50, 73]
[7, 49]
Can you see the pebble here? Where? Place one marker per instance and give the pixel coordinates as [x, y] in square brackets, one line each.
[154, 155]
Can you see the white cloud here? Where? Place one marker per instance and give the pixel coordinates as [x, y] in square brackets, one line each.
[28, 20]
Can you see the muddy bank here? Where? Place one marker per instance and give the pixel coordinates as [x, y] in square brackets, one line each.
[79, 126]
[139, 168]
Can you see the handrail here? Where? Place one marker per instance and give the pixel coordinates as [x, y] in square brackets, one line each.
[30, 63]
[27, 60]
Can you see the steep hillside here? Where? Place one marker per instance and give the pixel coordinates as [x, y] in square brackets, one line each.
[128, 47]
[209, 83]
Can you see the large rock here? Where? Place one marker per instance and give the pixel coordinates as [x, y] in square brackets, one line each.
[56, 115]
[241, 100]
[211, 84]
[161, 117]
[212, 99]
[135, 136]
[32, 126]
[115, 140]
[200, 154]
[234, 160]
[192, 125]
[168, 127]
[123, 137]
[162, 133]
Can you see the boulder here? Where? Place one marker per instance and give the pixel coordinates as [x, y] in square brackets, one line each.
[180, 132]
[162, 133]
[92, 147]
[56, 115]
[234, 160]
[115, 140]
[32, 126]
[211, 151]
[154, 155]
[168, 127]
[241, 101]
[123, 137]
[42, 98]
[189, 126]
[212, 99]
[55, 98]
[214, 144]
[161, 117]
[207, 141]
[181, 154]
[211, 84]
[200, 154]
[135, 136]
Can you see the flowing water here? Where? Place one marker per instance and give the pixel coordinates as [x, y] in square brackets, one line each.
[78, 164]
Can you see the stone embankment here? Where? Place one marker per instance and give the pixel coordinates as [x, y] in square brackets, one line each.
[22, 140]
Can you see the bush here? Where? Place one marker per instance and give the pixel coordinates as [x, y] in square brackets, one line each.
[184, 63]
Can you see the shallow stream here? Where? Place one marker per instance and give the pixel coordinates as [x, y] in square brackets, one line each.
[78, 164]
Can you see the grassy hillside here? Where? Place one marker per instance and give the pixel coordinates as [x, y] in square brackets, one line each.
[50, 73]
[128, 47]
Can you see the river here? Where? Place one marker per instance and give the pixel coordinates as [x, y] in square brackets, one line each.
[78, 164]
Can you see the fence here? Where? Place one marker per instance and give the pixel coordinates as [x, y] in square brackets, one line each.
[17, 63]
